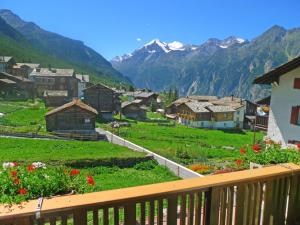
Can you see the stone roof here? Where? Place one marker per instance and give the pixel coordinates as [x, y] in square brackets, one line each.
[134, 102]
[55, 93]
[52, 72]
[30, 65]
[145, 94]
[75, 102]
[5, 58]
[83, 77]
[198, 107]
[99, 85]
[220, 108]
[14, 78]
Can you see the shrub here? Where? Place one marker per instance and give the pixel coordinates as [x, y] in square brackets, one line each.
[147, 165]
[20, 183]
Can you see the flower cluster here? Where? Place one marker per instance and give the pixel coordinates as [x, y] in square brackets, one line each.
[24, 182]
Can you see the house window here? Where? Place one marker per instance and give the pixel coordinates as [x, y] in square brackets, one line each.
[297, 83]
[295, 115]
[225, 115]
[87, 120]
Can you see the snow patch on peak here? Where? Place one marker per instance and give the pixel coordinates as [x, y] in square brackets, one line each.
[162, 45]
[240, 40]
[176, 45]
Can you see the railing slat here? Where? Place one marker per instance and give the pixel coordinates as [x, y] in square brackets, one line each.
[64, 220]
[191, 209]
[172, 210]
[116, 215]
[105, 216]
[143, 213]
[240, 204]
[160, 213]
[130, 214]
[215, 206]
[198, 208]
[251, 202]
[95, 217]
[80, 217]
[206, 207]
[268, 202]
[183, 209]
[294, 201]
[223, 205]
[151, 212]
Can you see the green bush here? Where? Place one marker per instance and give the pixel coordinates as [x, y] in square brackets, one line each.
[147, 165]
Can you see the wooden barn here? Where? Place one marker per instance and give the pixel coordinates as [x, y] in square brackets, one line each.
[73, 116]
[104, 99]
[134, 111]
[55, 98]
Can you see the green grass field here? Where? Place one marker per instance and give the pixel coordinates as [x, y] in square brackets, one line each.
[22, 116]
[201, 145]
[58, 152]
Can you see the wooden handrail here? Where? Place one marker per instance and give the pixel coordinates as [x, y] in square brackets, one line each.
[121, 197]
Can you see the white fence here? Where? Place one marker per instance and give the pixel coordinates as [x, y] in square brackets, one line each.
[176, 168]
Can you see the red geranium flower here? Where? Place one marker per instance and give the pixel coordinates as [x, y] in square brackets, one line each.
[17, 181]
[15, 163]
[298, 146]
[13, 173]
[22, 191]
[90, 180]
[242, 151]
[239, 162]
[256, 148]
[74, 172]
[30, 168]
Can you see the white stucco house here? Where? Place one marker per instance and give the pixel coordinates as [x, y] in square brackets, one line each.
[284, 115]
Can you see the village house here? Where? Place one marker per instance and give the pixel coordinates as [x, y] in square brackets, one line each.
[222, 116]
[6, 63]
[54, 79]
[54, 98]
[134, 110]
[172, 108]
[74, 116]
[24, 69]
[194, 114]
[284, 115]
[262, 115]
[22, 87]
[83, 83]
[149, 99]
[104, 99]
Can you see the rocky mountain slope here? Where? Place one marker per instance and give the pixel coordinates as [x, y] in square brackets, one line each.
[216, 67]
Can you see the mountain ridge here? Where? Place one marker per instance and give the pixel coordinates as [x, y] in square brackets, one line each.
[216, 67]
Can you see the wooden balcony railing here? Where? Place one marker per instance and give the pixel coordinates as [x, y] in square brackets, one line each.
[262, 121]
[270, 195]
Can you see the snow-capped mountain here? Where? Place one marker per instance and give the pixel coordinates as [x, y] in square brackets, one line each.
[215, 67]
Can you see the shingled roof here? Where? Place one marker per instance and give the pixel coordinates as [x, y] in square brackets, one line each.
[52, 72]
[198, 107]
[220, 108]
[274, 74]
[75, 102]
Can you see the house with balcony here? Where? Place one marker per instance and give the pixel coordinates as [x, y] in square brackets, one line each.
[284, 115]
[6, 63]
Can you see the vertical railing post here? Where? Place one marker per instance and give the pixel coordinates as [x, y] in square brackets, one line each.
[294, 201]
[130, 214]
[80, 217]
[172, 210]
[207, 206]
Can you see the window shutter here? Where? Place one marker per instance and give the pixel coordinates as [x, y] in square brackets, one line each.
[294, 115]
[297, 83]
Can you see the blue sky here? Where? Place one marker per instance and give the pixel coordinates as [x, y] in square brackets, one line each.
[114, 27]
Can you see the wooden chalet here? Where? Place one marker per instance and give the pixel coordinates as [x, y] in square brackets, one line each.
[6, 63]
[18, 87]
[24, 69]
[55, 79]
[104, 99]
[55, 98]
[134, 110]
[73, 116]
[148, 98]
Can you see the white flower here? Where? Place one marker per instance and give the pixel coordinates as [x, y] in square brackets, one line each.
[39, 165]
[7, 165]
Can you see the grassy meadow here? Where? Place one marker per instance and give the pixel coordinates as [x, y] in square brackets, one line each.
[187, 145]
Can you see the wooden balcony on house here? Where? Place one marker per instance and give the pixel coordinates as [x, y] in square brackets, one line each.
[269, 195]
[262, 122]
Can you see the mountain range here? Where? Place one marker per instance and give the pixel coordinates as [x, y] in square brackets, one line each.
[216, 67]
[27, 42]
